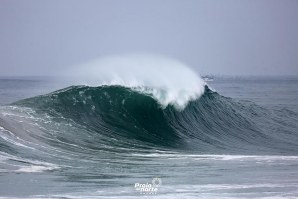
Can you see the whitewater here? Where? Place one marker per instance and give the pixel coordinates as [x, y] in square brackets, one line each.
[167, 80]
[109, 127]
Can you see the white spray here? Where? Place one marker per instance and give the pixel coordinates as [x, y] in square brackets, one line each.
[167, 80]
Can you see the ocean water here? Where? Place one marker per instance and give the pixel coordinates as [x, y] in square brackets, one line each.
[239, 139]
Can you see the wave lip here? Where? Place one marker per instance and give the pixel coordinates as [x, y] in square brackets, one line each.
[168, 81]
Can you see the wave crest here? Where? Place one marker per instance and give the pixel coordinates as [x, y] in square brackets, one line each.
[167, 80]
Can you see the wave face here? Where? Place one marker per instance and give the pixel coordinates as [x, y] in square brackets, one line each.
[97, 142]
[117, 118]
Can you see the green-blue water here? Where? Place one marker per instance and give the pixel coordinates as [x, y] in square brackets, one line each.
[239, 139]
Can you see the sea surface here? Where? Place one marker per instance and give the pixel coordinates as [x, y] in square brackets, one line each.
[239, 139]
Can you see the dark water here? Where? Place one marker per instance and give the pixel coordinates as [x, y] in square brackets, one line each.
[238, 140]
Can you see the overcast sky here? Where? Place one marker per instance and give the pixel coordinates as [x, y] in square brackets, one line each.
[231, 37]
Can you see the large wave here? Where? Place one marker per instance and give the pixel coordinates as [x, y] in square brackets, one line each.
[140, 107]
[120, 116]
[104, 136]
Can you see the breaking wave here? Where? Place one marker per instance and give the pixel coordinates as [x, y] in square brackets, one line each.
[120, 116]
[162, 106]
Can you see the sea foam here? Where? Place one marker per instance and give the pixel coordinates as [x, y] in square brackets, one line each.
[167, 80]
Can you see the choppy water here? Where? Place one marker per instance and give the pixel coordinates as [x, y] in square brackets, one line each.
[239, 139]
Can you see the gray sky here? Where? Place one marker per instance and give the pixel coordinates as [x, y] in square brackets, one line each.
[231, 37]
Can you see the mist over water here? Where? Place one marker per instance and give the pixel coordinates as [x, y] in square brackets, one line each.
[167, 80]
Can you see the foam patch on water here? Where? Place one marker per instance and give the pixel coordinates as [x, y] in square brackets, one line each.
[11, 163]
[219, 157]
[35, 168]
[167, 80]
